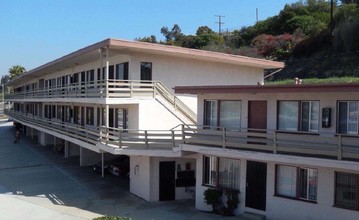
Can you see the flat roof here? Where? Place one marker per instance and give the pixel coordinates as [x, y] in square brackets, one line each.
[291, 88]
[91, 53]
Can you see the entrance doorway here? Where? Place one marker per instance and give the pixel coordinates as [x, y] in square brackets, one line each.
[167, 181]
[256, 185]
[257, 119]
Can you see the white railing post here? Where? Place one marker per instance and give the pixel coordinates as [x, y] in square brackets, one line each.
[101, 134]
[119, 138]
[146, 139]
[173, 139]
[224, 138]
[107, 136]
[183, 134]
[131, 89]
[339, 150]
[154, 85]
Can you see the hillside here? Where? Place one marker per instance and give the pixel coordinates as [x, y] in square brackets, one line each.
[304, 35]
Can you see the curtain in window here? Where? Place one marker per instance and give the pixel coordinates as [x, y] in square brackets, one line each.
[229, 115]
[229, 173]
[308, 184]
[348, 117]
[210, 113]
[288, 116]
[345, 190]
[210, 171]
[310, 116]
[343, 114]
[353, 118]
[286, 180]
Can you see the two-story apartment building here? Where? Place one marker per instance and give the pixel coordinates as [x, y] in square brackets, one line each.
[291, 151]
[116, 97]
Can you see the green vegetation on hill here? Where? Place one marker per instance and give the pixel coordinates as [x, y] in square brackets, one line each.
[300, 35]
[317, 81]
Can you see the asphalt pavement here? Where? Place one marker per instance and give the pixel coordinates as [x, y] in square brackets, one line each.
[37, 183]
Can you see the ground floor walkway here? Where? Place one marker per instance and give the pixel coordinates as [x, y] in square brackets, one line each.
[37, 183]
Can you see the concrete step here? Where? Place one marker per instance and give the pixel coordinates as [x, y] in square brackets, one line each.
[253, 216]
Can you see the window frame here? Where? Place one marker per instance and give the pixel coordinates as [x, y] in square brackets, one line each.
[144, 74]
[299, 121]
[298, 185]
[217, 175]
[356, 191]
[90, 111]
[218, 113]
[347, 124]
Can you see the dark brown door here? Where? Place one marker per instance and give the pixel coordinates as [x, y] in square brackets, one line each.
[167, 181]
[256, 184]
[257, 114]
[257, 119]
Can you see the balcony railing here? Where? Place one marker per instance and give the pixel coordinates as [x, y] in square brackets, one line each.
[93, 89]
[78, 132]
[337, 146]
[332, 146]
[111, 89]
[140, 139]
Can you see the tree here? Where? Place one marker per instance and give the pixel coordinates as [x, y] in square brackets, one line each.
[151, 39]
[172, 36]
[5, 79]
[16, 70]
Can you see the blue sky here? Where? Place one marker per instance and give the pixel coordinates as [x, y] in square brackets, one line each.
[38, 31]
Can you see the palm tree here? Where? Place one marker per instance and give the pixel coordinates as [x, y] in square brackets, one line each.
[16, 70]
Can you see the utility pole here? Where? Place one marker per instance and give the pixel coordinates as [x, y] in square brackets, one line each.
[331, 16]
[219, 22]
[256, 14]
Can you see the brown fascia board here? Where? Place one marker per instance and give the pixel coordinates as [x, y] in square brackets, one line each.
[162, 49]
[198, 54]
[253, 89]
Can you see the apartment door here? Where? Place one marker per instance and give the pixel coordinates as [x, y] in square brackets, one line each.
[256, 183]
[257, 119]
[167, 181]
[257, 114]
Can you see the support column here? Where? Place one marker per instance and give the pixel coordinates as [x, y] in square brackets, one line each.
[107, 71]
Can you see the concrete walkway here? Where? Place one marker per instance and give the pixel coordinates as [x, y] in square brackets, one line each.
[36, 183]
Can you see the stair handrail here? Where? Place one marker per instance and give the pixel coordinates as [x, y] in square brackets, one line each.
[167, 94]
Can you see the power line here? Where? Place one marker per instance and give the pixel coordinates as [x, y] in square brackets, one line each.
[219, 22]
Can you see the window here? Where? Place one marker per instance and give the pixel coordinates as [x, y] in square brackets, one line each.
[296, 182]
[221, 172]
[90, 115]
[298, 115]
[59, 112]
[90, 75]
[122, 71]
[223, 113]
[346, 190]
[122, 118]
[348, 117]
[146, 71]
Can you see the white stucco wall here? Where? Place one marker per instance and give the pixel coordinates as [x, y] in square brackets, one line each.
[140, 175]
[326, 101]
[154, 116]
[284, 208]
[174, 71]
